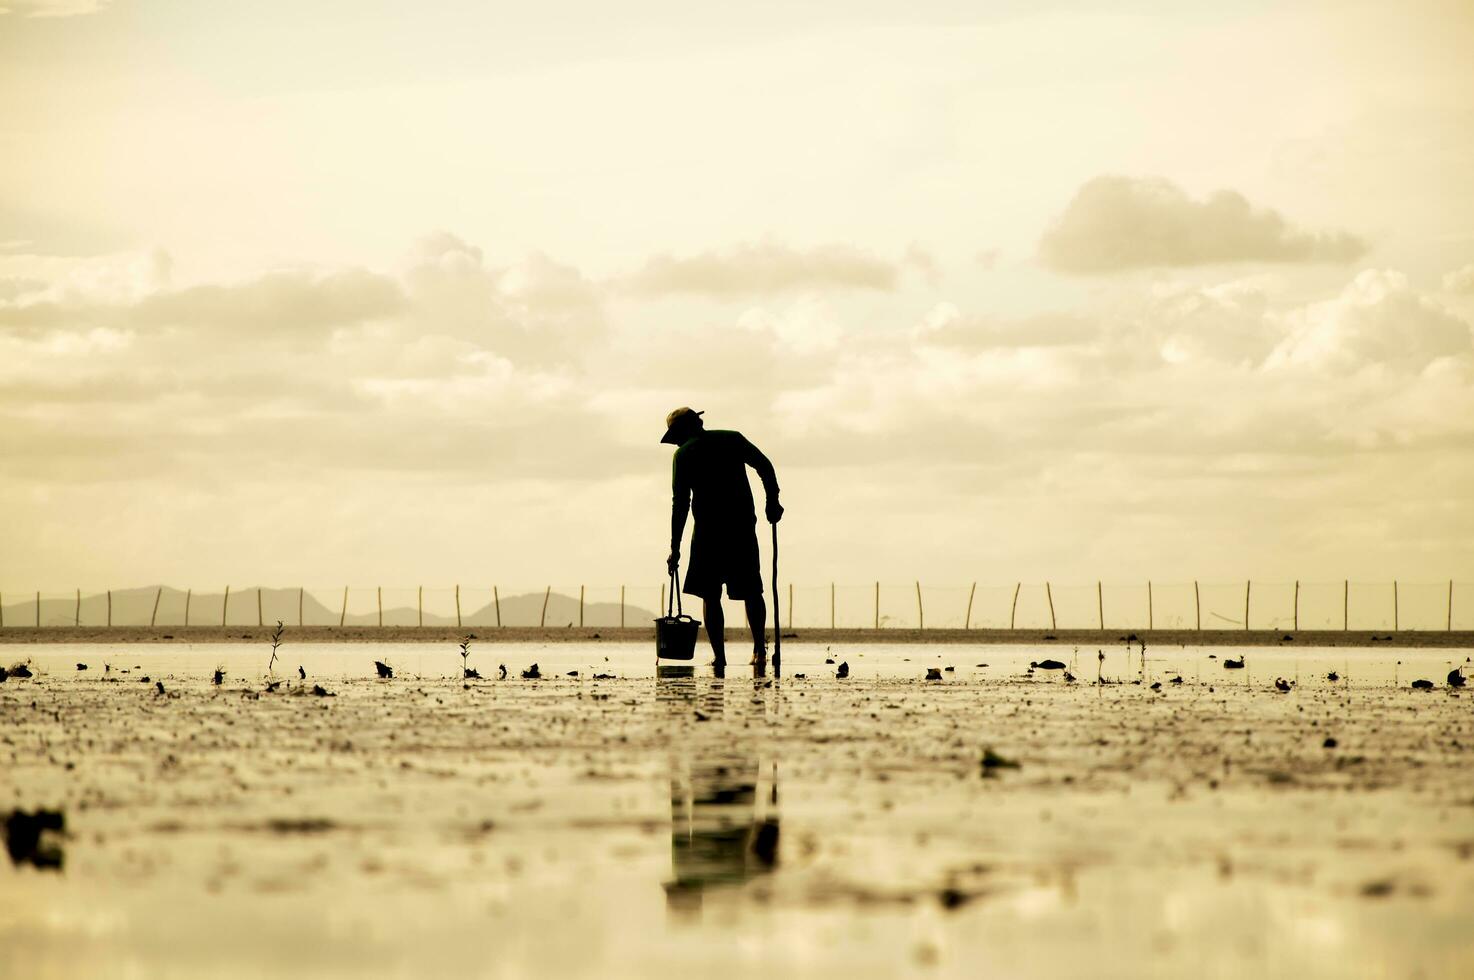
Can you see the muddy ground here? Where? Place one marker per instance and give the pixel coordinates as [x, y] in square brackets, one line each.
[687, 825]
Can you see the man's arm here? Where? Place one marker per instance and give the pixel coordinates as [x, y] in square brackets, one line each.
[680, 506]
[765, 472]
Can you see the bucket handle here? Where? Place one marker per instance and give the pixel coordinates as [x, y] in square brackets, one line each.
[675, 596]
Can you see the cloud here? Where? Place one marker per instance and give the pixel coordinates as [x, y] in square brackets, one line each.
[1115, 224]
[766, 268]
[1460, 280]
[1379, 322]
[946, 326]
[52, 8]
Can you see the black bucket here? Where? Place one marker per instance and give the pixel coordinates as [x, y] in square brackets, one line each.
[675, 635]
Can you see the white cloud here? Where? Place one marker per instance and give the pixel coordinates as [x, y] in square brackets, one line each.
[767, 268]
[52, 8]
[1115, 224]
[1379, 322]
[1460, 280]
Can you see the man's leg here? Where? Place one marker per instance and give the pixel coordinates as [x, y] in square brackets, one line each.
[757, 621]
[716, 625]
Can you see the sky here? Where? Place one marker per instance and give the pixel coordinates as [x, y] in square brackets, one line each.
[376, 292]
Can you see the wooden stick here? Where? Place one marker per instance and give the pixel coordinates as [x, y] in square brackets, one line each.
[458, 607]
[790, 605]
[260, 620]
[1297, 604]
[580, 607]
[1150, 622]
[1450, 607]
[77, 613]
[420, 602]
[301, 596]
[38, 609]
[777, 630]
[1013, 610]
[496, 598]
[1198, 604]
[967, 620]
[621, 607]
[343, 616]
[379, 589]
[2, 610]
[543, 621]
[1346, 606]
[1099, 604]
[1394, 606]
[1246, 604]
[225, 606]
[920, 613]
[187, 594]
[110, 605]
[877, 605]
[1048, 594]
[831, 605]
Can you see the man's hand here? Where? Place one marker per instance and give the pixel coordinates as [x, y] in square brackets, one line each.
[674, 561]
[775, 511]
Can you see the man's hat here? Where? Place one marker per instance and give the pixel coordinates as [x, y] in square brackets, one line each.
[677, 422]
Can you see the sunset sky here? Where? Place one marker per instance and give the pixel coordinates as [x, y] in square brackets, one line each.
[356, 291]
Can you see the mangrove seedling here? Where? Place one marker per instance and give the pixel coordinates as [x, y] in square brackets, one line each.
[275, 642]
[466, 672]
[385, 671]
[218, 678]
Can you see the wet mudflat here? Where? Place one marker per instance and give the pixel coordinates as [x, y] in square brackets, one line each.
[688, 825]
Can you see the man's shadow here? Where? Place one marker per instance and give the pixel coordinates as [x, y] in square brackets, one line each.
[723, 800]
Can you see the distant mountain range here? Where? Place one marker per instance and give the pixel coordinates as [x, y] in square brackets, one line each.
[165, 606]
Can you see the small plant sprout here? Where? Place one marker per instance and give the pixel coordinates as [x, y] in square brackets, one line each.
[466, 672]
[275, 642]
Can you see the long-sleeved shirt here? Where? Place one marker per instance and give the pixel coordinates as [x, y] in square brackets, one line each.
[709, 479]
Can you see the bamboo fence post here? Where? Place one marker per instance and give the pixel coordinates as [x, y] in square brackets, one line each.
[77, 612]
[1297, 604]
[621, 607]
[188, 593]
[790, 605]
[580, 607]
[1198, 604]
[301, 597]
[110, 605]
[920, 613]
[1099, 604]
[877, 605]
[420, 605]
[1049, 594]
[38, 609]
[496, 598]
[1013, 610]
[542, 621]
[831, 605]
[1394, 606]
[1150, 622]
[458, 607]
[967, 620]
[1247, 585]
[1450, 626]
[225, 606]
[1346, 605]
[343, 616]
[2, 610]
[260, 620]
[379, 591]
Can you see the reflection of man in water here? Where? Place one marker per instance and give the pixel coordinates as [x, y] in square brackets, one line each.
[724, 820]
[709, 479]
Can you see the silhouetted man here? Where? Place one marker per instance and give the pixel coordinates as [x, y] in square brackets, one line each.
[709, 480]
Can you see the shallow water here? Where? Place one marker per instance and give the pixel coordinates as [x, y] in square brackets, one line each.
[686, 825]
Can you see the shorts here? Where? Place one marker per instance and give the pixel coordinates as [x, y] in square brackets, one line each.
[724, 555]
